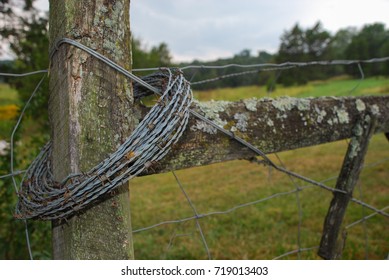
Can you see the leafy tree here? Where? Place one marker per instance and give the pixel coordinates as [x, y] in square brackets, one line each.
[371, 42]
[158, 56]
[338, 45]
[340, 42]
[299, 45]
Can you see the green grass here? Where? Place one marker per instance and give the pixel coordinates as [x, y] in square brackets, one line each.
[340, 86]
[269, 228]
[264, 230]
[8, 95]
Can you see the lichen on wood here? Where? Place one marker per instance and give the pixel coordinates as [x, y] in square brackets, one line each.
[277, 125]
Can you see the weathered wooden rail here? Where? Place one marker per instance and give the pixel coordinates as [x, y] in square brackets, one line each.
[272, 125]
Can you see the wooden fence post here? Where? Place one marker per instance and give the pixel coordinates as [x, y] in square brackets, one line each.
[330, 247]
[91, 113]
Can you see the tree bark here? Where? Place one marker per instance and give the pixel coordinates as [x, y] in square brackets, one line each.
[91, 113]
[272, 125]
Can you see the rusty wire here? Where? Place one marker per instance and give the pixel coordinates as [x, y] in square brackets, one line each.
[40, 196]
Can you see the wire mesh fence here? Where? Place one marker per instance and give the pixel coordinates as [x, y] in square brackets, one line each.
[263, 208]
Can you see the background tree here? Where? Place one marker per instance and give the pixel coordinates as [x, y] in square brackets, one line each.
[158, 56]
[338, 45]
[300, 45]
[372, 41]
[292, 48]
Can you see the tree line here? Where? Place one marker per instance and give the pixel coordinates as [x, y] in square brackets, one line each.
[297, 44]
[310, 44]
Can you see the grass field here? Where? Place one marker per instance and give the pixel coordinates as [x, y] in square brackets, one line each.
[339, 86]
[267, 229]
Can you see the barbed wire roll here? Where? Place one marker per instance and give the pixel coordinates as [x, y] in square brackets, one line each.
[41, 197]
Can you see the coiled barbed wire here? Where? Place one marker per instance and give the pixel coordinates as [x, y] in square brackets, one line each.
[40, 196]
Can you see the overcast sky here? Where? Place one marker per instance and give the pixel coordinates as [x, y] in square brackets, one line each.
[209, 29]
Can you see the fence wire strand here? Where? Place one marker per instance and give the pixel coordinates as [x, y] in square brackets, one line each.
[196, 214]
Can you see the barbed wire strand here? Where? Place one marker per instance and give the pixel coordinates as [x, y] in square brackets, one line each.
[275, 65]
[259, 65]
[285, 64]
[196, 214]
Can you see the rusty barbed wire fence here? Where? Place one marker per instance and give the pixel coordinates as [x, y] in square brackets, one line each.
[173, 83]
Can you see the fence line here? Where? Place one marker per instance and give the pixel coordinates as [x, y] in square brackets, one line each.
[281, 168]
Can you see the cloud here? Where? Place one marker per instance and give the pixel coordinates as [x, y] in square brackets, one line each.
[207, 29]
[210, 29]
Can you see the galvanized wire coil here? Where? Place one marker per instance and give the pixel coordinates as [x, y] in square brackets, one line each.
[41, 197]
